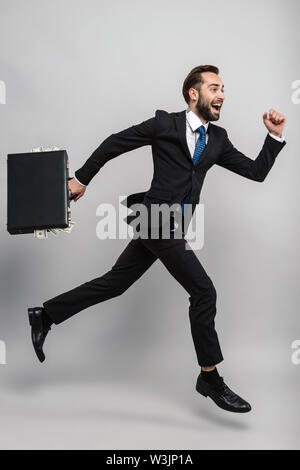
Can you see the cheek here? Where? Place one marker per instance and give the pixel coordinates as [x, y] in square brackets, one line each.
[207, 98]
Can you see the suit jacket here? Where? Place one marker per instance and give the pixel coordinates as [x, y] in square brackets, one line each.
[175, 175]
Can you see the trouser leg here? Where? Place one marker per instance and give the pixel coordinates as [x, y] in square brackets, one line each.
[130, 265]
[186, 268]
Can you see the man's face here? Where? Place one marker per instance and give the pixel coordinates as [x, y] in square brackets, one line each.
[210, 98]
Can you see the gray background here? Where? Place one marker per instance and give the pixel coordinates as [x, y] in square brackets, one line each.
[121, 375]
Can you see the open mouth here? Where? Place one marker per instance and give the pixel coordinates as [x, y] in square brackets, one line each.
[216, 106]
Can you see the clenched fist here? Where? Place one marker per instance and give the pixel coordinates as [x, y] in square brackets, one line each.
[76, 188]
[274, 122]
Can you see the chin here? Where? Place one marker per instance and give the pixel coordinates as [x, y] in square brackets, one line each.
[215, 118]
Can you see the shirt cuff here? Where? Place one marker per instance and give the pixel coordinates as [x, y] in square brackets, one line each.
[78, 181]
[280, 139]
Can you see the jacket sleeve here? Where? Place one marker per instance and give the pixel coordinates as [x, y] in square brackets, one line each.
[257, 169]
[129, 139]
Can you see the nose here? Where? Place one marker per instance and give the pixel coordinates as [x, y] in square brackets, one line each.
[221, 95]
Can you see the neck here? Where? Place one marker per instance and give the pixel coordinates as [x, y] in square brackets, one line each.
[193, 108]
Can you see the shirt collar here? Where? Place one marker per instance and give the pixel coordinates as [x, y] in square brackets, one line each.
[194, 121]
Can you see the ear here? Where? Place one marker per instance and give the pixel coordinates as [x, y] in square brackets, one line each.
[193, 94]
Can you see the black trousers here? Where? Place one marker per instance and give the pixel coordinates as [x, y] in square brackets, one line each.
[136, 258]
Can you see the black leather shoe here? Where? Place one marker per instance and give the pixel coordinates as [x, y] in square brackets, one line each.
[222, 395]
[38, 330]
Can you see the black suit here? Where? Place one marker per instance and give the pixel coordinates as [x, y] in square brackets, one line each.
[174, 176]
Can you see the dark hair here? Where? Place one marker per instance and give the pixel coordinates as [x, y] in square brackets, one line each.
[195, 77]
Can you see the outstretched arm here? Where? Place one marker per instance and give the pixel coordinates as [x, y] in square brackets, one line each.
[129, 139]
[257, 169]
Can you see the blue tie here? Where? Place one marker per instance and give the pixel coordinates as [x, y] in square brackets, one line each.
[200, 146]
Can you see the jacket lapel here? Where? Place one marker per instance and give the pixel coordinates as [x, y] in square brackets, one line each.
[180, 122]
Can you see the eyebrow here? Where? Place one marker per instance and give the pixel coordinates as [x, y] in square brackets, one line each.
[215, 84]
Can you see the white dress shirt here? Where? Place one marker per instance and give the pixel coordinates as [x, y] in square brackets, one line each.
[192, 123]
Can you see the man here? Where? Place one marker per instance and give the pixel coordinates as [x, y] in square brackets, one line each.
[184, 145]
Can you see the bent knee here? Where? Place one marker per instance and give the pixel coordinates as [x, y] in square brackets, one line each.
[205, 292]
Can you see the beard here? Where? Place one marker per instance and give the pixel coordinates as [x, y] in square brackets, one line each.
[204, 110]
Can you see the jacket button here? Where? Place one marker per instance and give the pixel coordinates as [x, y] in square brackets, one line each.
[193, 172]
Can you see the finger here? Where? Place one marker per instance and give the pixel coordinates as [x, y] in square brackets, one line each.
[274, 117]
[271, 114]
[274, 114]
[79, 195]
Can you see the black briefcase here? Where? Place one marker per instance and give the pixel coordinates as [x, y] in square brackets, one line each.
[37, 191]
